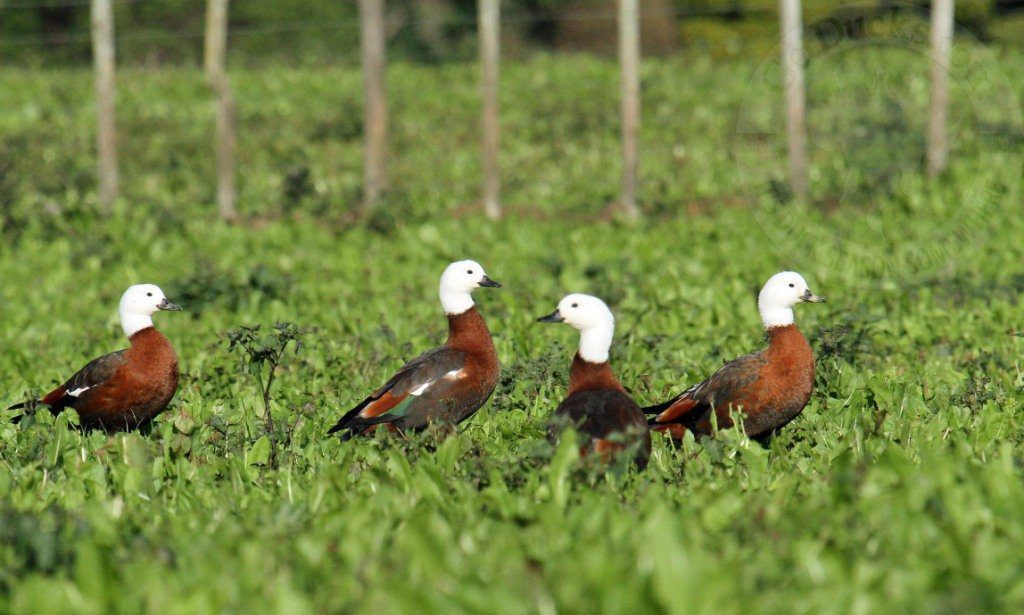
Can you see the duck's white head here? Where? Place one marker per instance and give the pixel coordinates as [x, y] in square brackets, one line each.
[592, 318]
[780, 293]
[138, 304]
[458, 282]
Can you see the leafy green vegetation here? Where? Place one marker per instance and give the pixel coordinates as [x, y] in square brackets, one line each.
[901, 488]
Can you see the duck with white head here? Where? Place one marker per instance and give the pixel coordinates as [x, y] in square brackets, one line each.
[446, 385]
[770, 387]
[596, 404]
[125, 389]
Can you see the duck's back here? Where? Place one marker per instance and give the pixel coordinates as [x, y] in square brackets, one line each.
[611, 421]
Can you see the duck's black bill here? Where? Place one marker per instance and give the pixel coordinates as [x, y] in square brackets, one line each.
[168, 306]
[555, 316]
[810, 297]
[488, 282]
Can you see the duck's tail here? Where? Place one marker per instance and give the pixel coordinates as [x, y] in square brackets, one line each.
[28, 405]
[351, 425]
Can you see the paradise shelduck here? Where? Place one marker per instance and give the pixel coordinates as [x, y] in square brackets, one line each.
[444, 385]
[127, 388]
[770, 387]
[597, 405]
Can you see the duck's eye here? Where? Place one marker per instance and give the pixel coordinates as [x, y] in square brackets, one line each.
[149, 294]
[575, 305]
[792, 285]
[470, 272]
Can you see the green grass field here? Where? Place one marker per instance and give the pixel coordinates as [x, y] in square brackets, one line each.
[900, 489]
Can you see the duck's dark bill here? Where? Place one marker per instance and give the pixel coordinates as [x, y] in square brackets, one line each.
[555, 316]
[489, 283]
[812, 298]
[170, 307]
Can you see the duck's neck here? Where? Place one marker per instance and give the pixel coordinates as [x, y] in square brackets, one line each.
[595, 342]
[133, 323]
[468, 331]
[455, 302]
[588, 376]
[776, 316]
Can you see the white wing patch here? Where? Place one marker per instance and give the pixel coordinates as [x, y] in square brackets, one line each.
[78, 391]
[452, 375]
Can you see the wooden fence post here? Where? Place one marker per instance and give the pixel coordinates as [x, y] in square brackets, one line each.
[102, 17]
[375, 116]
[942, 44]
[629, 59]
[796, 112]
[489, 15]
[216, 75]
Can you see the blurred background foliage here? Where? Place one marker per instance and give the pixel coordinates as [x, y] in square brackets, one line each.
[157, 32]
